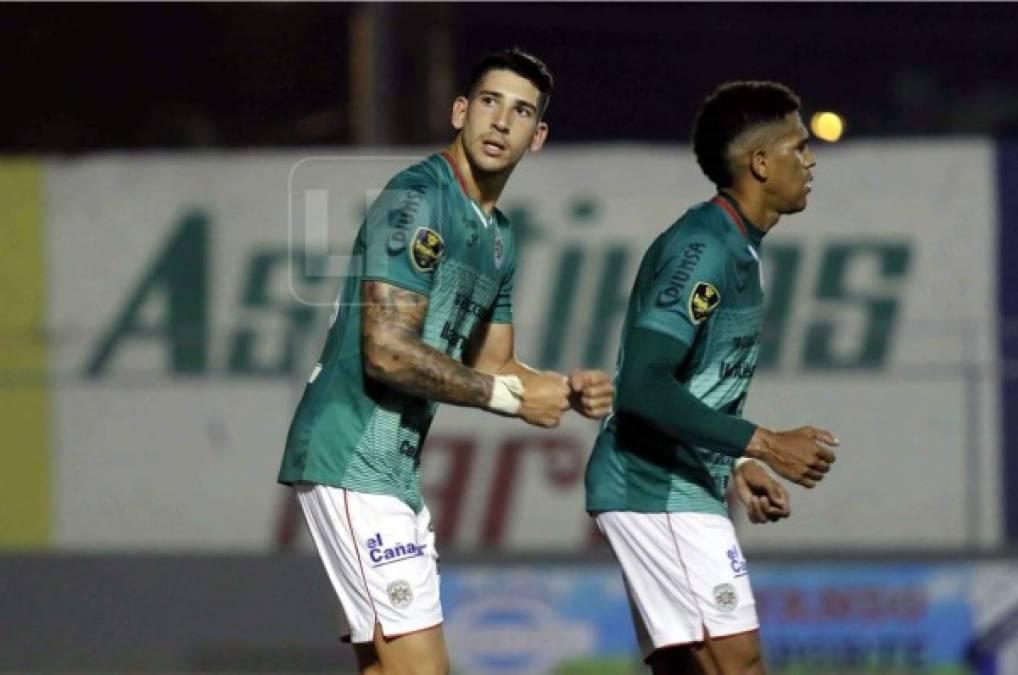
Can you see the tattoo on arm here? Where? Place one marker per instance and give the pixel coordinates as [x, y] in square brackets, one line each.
[393, 353]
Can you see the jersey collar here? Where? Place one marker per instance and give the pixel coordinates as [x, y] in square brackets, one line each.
[447, 156]
[728, 204]
[451, 161]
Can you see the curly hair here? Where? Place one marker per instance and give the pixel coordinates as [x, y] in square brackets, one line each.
[730, 110]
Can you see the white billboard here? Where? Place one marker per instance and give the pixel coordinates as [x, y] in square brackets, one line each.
[188, 298]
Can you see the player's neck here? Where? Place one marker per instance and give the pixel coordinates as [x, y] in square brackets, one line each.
[483, 188]
[753, 207]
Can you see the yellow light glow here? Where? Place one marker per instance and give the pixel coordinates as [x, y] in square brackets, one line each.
[827, 126]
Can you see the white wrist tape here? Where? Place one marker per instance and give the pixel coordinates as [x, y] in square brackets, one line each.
[739, 461]
[506, 394]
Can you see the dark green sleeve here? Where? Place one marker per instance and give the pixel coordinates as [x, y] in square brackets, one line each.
[648, 389]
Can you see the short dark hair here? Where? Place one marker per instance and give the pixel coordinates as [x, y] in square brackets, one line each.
[730, 110]
[522, 63]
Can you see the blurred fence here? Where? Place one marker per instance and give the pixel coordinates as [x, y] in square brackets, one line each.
[162, 311]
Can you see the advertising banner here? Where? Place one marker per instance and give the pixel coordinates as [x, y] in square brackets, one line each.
[864, 619]
[188, 296]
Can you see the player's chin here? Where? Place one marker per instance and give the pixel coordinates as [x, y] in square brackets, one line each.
[798, 206]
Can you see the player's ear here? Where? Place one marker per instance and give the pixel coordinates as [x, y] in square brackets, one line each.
[459, 112]
[537, 142]
[758, 164]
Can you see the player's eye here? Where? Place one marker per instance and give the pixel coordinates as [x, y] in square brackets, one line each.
[524, 111]
[487, 99]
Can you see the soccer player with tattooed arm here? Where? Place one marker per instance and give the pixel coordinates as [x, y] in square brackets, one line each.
[661, 466]
[424, 317]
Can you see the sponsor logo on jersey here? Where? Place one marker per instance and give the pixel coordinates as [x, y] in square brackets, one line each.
[736, 369]
[380, 554]
[737, 562]
[396, 242]
[400, 594]
[746, 341]
[702, 301]
[426, 249]
[499, 250]
[452, 336]
[411, 450]
[403, 215]
[465, 303]
[725, 597]
[672, 293]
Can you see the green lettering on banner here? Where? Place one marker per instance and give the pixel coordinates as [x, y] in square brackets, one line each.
[560, 308]
[181, 272]
[612, 301]
[880, 307]
[782, 266]
[299, 318]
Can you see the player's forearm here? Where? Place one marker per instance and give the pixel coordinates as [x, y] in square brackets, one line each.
[648, 389]
[402, 361]
[520, 370]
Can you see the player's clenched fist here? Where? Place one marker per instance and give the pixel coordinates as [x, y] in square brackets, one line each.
[800, 455]
[591, 393]
[545, 397]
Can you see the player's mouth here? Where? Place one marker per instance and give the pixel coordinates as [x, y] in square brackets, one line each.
[492, 147]
[808, 187]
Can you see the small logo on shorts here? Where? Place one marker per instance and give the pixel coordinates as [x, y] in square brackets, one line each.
[737, 562]
[725, 597]
[401, 595]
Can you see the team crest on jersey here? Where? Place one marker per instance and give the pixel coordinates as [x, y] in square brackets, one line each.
[702, 301]
[426, 249]
[499, 250]
[725, 597]
[400, 594]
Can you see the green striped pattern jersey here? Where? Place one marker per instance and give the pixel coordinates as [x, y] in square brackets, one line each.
[699, 282]
[424, 234]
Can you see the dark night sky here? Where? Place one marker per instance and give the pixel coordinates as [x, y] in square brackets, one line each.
[80, 77]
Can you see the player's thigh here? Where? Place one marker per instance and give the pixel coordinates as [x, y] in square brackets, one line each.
[381, 558]
[737, 654]
[664, 604]
[717, 572]
[419, 653]
[693, 659]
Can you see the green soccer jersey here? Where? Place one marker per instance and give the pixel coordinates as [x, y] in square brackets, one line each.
[424, 234]
[699, 282]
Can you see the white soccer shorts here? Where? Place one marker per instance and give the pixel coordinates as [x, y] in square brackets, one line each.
[684, 573]
[380, 557]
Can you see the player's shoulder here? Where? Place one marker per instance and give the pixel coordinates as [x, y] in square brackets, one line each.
[704, 223]
[426, 175]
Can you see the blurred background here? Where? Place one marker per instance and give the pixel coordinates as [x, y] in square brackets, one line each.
[179, 185]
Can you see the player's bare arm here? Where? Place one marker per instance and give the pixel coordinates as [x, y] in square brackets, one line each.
[801, 455]
[394, 353]
[491, 350]
[765, 498]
